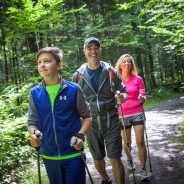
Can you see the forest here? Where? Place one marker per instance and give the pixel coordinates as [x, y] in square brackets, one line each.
[152, 31]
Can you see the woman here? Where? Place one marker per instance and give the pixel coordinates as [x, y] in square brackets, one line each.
[133, 113]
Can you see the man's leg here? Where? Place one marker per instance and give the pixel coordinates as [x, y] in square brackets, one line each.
[113, 142]
[97, 149]
[118, 170]
[100, 166]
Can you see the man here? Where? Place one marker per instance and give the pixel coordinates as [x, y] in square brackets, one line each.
[55, 108]
[100, 89]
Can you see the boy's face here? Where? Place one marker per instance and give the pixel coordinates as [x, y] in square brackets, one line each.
[92, 52]
[48, 66]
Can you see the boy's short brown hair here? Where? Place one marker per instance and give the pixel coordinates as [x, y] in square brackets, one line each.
[54, 51]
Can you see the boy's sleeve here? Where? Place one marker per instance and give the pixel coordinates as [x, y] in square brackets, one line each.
[82, 105]
[32, 114]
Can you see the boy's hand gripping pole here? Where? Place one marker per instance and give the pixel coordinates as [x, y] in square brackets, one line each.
[73, 141]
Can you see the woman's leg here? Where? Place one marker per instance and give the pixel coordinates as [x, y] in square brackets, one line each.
[142, 153]
[126, 135]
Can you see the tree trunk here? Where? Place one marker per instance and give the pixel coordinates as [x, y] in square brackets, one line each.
[153, 82]
[139, 62]
[78, 31]
[150, 67]
[14, 69]
[32, 42]
[161, 72]
[5, 57]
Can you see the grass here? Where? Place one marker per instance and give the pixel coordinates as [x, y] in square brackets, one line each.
[156, 97]
[179, 139]
[30, 175]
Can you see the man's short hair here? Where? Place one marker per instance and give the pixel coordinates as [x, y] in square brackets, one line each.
[90, 40]
[54, 51]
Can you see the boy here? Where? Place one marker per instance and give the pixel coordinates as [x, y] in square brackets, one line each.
[55, 108]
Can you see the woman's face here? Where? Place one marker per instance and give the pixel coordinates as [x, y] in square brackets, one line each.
[126, 65]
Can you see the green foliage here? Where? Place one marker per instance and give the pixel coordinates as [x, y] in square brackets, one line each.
[141, 28]
[157, 96]
[182, 125]
[30, 173]
[27, 17]
[162, 18]
[151, 31]
[14, 152]
[166, 19]
[13, 101]
[162, 93]
[180, 137]
[14, 148]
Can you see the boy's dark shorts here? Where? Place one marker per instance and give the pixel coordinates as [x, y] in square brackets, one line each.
[108, 139]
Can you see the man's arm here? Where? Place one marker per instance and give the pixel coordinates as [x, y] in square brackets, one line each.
[119, 86]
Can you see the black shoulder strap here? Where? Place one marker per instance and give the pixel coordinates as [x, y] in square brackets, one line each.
[112, 79]
[78, 77]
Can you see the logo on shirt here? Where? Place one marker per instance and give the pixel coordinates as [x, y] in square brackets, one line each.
[63, 97]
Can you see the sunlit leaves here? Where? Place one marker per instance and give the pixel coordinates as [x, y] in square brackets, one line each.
[13, 130]
[166, 18]
[128, 5]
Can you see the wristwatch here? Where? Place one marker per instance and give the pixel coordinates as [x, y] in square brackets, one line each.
[80, 136]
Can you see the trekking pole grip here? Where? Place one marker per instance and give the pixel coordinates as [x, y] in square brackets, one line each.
[118, 94]
[38, 134]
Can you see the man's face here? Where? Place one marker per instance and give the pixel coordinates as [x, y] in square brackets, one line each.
[48, 66]
[92, 52]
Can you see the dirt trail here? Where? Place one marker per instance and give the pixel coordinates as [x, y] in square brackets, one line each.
[167, 158]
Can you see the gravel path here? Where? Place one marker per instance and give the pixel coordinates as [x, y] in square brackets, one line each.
[167, 158]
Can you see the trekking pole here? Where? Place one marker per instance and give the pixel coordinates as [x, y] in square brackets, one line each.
[149, 159]
[125, 134]
[38, 134]
[73, 141]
